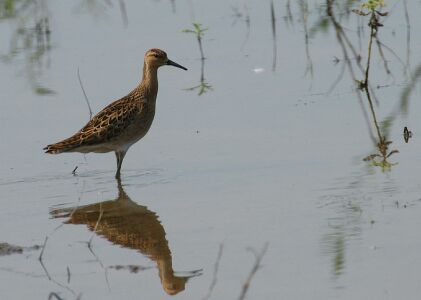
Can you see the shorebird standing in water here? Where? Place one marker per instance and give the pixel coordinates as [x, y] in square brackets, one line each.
[125, 121]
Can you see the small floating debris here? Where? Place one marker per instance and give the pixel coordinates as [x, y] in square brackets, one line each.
[8, 249]
[258, 70]
[407, 134]
[131, 268]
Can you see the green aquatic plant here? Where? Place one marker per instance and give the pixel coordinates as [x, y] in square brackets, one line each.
[379, 159]
[374, 25]
[7, 8]
[199, 32]
[373, 4]
[202, 88]
[29, 42]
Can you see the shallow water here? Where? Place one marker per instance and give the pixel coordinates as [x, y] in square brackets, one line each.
[269, 154]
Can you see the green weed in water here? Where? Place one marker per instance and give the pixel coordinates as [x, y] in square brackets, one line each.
[373, 4]
[199, 32]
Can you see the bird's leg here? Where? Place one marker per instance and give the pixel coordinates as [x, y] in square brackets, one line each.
[119, 156]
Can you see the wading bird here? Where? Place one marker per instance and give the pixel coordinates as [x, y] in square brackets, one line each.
[125, 121]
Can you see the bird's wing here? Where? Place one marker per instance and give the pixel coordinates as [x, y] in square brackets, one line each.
[111, 121]
[105, 125]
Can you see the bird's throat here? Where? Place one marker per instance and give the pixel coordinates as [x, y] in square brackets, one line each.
[149, 83]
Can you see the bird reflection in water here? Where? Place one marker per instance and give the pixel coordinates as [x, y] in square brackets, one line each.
[126, 223]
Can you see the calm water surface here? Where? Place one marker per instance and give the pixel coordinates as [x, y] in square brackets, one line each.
[263, 142]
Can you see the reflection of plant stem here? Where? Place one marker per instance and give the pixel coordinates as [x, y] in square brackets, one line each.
[173, 6]
[288, 16]
[393, 53]
[404, 103]
[203, 86]
[408, 34]
[199, 40]
[123, 12]
[89, 243]
[256, 267]
[304, 16]
[41, 261]
[239, 15]
[52, 294]
[215, 272]
[381, 53]
[247, 21]
[373, 114]
[341, 37]
[273, 22]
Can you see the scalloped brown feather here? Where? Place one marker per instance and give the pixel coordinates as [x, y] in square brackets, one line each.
[106, 125]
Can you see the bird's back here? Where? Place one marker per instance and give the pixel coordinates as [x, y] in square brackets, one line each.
[121, 123]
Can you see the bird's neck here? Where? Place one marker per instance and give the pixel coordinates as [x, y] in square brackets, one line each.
[149, 83]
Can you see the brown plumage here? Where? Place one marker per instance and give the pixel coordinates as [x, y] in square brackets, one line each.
[125, 121]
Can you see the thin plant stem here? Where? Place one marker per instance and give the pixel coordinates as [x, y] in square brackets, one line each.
[370, 43]
[84, 94]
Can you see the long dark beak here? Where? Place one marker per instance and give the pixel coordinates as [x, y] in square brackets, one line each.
[172, 63]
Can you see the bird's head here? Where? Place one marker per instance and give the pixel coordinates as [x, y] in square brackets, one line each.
[157, 58]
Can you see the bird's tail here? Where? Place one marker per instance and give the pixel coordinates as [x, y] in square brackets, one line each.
[64, 145]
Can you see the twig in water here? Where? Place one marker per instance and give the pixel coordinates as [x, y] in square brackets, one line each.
[68, 274]
[215, 272]
[256, 267]
[74, 171]
[84, 94]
